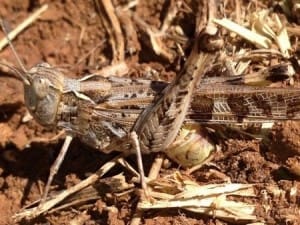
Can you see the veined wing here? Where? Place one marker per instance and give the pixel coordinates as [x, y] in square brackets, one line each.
[222, 104]
[225, 104]
[211, 104]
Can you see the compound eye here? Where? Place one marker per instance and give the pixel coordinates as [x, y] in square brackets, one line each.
[41, 87]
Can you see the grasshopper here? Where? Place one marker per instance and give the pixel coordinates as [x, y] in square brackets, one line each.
[101, 112]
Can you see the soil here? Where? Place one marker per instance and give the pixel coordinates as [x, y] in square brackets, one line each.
[69, 35]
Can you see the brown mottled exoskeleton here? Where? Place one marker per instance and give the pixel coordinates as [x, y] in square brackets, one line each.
[103, 111]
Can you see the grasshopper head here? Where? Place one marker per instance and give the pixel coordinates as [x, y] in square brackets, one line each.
[43, 87]
[42, 92]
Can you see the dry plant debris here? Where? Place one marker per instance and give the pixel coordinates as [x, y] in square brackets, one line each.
[175, 191]
[244, 182]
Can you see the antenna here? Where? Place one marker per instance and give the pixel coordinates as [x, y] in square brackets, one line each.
[24, 78]
[14, 69]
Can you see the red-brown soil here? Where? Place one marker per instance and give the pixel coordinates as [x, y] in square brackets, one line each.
[64, 36]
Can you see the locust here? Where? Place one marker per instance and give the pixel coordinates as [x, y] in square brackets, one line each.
[102, 112]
